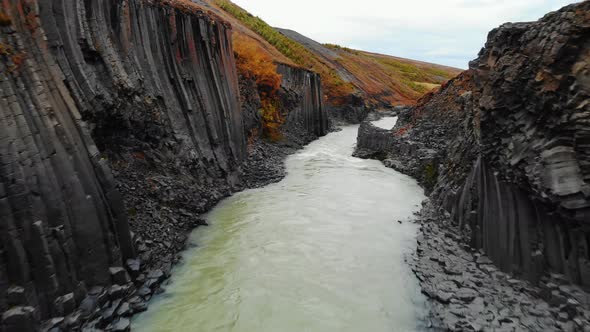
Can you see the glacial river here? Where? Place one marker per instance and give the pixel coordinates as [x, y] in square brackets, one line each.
[320, 251]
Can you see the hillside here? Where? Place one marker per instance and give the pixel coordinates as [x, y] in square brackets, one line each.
[383, 79]
[347, 75]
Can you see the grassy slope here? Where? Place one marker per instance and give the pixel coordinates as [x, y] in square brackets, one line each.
[335, 87]
[381, 79]
[242, 30]
[384, 79]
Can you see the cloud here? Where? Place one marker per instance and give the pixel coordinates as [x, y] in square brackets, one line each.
[449, 32]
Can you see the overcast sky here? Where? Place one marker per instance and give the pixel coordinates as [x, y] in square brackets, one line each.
[449, 32]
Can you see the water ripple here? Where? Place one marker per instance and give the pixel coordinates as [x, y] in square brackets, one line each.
[319, 251]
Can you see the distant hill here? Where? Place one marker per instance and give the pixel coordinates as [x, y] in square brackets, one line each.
[380, 80]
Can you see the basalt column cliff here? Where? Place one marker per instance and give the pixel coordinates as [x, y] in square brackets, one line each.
[505, 146]
[504, 150]
[302, 96]
[115, 115]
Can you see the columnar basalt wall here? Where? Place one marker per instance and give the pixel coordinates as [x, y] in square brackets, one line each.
[532, 178]
[508, 146]
[120, 123]
[81, 82]
[304, 108]
[162, 73]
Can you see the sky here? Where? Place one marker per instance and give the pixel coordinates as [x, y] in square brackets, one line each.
[448, 32]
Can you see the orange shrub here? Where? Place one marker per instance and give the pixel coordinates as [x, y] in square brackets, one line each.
[403, 130]
[253, 63]
[5, 19]
[271, 119]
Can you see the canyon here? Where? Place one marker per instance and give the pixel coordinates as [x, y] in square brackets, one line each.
[124, 122]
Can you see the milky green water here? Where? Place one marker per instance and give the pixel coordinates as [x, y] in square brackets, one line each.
[320, 251]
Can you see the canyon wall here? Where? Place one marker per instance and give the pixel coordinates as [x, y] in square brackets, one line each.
[120, 123]
[504, 148]
[301, 94]
[300, 104]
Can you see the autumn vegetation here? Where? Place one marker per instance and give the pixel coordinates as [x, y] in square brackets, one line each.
[187, 6]
[391, 79]
[4, 19]
[379, 79]
[252, 63]
[335, 88]
[414, 77]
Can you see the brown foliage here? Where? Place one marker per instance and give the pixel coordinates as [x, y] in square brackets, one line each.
[17, 61]
[403, 130]
[444, 99]
[252, 62]
[5, 19]
[5, 49]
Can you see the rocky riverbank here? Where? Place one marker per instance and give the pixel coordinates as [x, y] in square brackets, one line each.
[165, 212]
[502, 151]
[469, 293]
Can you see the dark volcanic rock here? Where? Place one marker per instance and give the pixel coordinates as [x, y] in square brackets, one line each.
[122, 325]
[352, 111]
[119, 276]
[120, 124]
[302, 101]
[482, 296]
[503, 146]
[20, 319]
[503, 152]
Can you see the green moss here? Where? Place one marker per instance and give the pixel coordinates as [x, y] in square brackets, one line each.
[416, 87]
[341, 48]
[288, 47]
[132, 212]
[429, 176]
[410, 74]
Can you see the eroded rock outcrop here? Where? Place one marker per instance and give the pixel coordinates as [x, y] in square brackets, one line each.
[508, 141]
[304, 119]
[302, 100]
[503, 149]
[120, 122]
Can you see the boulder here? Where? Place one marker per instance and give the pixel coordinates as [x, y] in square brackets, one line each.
[20, 319]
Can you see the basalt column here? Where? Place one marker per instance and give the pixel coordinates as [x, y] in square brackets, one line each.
[80, 80]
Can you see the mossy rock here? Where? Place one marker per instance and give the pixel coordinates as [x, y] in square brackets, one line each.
[430, 176]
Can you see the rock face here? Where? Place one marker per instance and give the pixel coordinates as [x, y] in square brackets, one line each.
[417, 143]
[302, 100]
[504, 148]
[115, 115]
[530, 184]
[58, 202]
[503, 152]
[468, 293]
